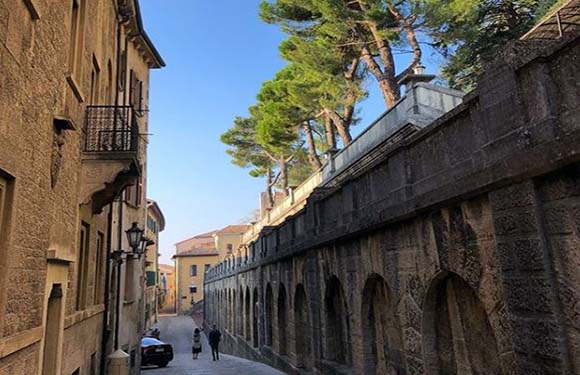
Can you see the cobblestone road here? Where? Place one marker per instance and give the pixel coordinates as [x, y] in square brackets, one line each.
[177, 331]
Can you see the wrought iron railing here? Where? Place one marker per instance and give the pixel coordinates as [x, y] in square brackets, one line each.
[111, 129]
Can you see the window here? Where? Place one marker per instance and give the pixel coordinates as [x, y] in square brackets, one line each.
[193, 289]
[99, 278]
[193, 270]
[95, 82]
[151, 224]
[76, 37]
[136, 92]
[82, 266]
[110, 87]
[230, 247]
[133, 194]
[207, 266]
[3, 199]
[94, 364]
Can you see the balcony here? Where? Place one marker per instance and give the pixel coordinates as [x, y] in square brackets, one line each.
[111, 154]
[111, 131]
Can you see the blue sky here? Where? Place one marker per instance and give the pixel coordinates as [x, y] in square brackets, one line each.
[218, 53]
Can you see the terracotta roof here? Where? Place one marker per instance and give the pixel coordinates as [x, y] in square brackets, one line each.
[166, 268]
[203, 235]
[196, 253]
[233, 229]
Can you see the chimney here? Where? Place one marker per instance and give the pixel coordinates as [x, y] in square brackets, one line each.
[416, 75]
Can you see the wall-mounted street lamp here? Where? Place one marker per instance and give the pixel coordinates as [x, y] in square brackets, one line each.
[135, 238]
[137, 245]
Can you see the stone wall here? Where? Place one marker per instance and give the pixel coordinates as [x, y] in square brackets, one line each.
[453, 251]
[42, 126]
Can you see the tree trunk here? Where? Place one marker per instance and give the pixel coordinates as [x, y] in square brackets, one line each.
[283, 175]
[312, 155]
[341, 127]
[387, 83]
[269, 184]
[407, 25]
[329, 132]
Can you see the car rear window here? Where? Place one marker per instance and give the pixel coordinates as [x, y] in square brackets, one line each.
[146, 341]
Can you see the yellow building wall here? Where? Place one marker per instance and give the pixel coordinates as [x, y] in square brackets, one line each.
[222, 241]
[184, 280]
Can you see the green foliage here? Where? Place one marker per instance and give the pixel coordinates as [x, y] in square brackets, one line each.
[244, 149]
[280, 115]
[471, 32]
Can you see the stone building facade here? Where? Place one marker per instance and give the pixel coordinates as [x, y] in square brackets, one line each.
[166, 289]
[453, 250]
[195, 255]
[155, 225]
[73, 94]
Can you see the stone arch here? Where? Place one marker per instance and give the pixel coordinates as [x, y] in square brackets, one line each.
[457, 335]
[381, 332]
[337, 340]
[282, 320]
[215, 308]
[248, 316]
[269, 314]
[233, 312]
[255, 306]
[302, 329]
[227, 309]
[239, 318]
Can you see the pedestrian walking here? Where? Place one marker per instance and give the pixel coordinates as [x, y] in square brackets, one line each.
[215, 337]
[196, 346]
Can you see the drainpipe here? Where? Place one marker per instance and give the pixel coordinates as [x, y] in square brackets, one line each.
[119, 269]
[107, 294]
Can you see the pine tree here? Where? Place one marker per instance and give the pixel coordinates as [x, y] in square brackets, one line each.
[370, 29]
[471, 32]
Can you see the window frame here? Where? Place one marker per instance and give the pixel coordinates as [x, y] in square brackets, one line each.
[193, 270]
[77, 34]
[82, 264]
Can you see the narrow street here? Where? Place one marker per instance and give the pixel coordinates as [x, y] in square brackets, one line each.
[177, 331]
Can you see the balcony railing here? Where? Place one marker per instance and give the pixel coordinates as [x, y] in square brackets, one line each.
[111, 129]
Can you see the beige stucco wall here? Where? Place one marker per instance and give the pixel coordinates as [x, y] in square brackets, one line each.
[222, 241]
[183, 264]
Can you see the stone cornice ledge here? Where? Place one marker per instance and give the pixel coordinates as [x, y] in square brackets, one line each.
[80, 316]
[19, 341]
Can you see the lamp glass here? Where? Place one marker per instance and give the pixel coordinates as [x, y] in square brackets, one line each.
[134, 236]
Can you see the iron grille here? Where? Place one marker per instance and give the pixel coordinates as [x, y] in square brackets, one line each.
[111, 129]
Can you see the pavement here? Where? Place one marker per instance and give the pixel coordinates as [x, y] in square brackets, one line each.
[178, 331]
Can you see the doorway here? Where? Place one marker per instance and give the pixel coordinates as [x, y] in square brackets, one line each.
[52, 330]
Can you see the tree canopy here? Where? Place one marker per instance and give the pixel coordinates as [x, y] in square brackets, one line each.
[334, 46]
[471, 32]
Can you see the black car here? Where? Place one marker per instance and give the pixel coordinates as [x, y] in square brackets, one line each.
[155, 352]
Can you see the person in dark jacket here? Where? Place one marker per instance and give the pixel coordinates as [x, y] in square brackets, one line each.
[214, 340]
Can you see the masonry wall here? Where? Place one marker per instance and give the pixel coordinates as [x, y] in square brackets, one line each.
[39, 231]
[43, 218]
[454, 251]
